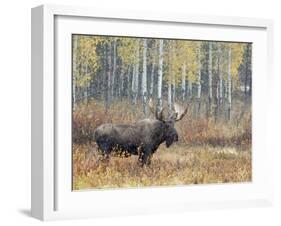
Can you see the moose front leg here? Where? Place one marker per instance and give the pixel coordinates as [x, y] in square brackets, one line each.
[102, 156]
[145, 157]
[149, 159]
[104, 150]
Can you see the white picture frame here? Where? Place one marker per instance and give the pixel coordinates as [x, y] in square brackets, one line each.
[52, 197]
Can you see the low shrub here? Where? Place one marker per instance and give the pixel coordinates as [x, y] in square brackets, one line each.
[193, 130]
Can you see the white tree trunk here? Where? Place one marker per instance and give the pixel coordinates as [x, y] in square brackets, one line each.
[74, 69]
[183, 82]
[144, 78]
[246, 72]
[133, 79]
[152, 79]
[128, 81]
[210, 77]
[173, 75]
[170, 78]
[217, 100]
[220, 75]
[137, 69]
[198, 98]
[174, 89]
[169, 94]
[218, 91]
[104, 85]
[190, 87]
[229, 83]
[85, 71]
[199, 73]
[135, 82]
[113, 83]
[121, 85]
[225, 89]
[160, 75]
[109, 75]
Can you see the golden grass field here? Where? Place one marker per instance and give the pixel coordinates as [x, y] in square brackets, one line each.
[207, 152]
[178, 165]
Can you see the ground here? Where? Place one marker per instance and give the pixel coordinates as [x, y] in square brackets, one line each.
[177, 165]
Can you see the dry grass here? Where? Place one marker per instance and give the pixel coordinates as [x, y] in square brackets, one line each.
[208, 151]
[178, 165]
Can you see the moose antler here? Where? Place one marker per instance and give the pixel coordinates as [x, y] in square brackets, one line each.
[150, 104]
[180, 112]
[159, 115]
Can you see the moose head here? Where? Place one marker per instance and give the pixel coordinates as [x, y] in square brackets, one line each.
[174, 115]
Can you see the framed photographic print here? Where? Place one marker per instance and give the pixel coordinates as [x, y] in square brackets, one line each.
[137, 112]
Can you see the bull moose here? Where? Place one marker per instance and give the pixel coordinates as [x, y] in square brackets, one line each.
[141, 138]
